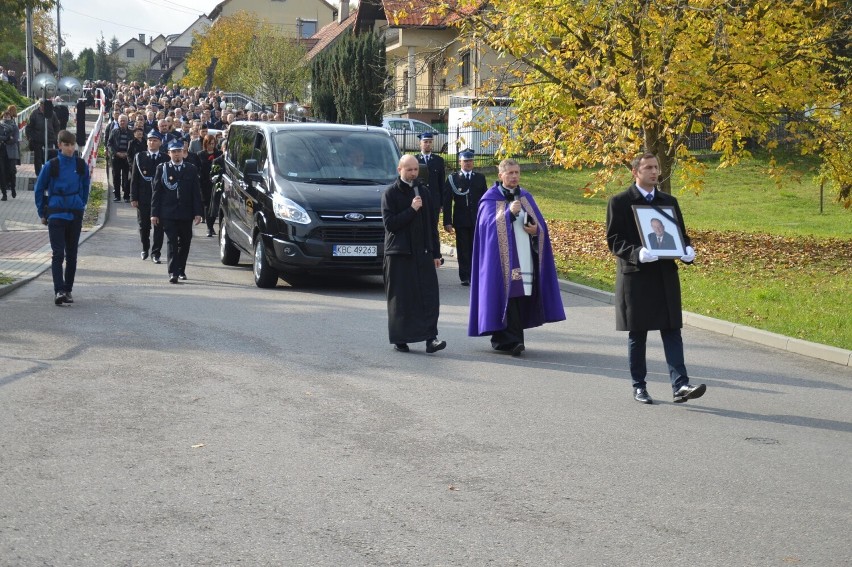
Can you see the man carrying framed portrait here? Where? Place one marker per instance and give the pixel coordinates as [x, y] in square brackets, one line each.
[647, 285]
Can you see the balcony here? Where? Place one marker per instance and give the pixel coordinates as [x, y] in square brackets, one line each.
[434, 98]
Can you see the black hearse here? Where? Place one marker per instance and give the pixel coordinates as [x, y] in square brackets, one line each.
[305, 198]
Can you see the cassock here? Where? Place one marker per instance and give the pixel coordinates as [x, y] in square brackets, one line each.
[499, 270]
[410, 276]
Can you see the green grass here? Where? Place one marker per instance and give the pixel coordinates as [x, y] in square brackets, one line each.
[97, 193]
[806, 298]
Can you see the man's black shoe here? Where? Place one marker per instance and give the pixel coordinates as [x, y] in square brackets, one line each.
[60, 298]
[465, 282]
[156, 259]
[68, 298]
[518, 349]
[401, 347]
[210, 233]
[182, 276]
[127, 199]
[641, 395]
[144, 254]
[173, 278]
[116, 200]
[434, 345]
[689, 392]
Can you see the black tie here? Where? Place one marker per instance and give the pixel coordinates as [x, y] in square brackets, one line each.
[649, 197]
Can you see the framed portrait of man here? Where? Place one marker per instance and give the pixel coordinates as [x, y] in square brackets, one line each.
[660, 233]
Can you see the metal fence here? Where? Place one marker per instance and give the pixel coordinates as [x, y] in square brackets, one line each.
[428, 98]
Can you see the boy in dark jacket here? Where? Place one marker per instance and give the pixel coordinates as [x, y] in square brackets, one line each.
[61, 194]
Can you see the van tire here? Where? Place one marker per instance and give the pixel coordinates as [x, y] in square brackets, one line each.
[228, 253]
[265, 276]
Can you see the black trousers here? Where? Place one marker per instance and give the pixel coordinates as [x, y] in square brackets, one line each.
[120, 177]
[179, 236]
[513, 334]
[38, 157]
[464, 251]
[143, 216]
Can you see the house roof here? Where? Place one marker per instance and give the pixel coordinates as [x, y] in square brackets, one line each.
[217, 11]
[45, 59]
[329, 33]
[420, 13]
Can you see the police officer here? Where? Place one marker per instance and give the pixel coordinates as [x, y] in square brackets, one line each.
[462, 192]
[176, 203]
[437, 172]
[141, 188]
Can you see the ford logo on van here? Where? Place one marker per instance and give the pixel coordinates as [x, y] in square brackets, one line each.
[354, 216]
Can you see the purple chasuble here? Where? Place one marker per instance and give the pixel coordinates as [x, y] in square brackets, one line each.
[495, 271]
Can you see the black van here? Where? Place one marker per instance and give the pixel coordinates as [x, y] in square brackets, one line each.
[305, 198]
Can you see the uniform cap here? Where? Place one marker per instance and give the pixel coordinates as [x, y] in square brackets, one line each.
[426, 135]
[466, 154]
[155, 134]
[175, 145]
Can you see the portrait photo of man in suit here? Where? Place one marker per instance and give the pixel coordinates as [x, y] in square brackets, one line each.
[660, 239]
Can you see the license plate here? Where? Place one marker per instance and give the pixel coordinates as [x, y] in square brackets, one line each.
[354, 250]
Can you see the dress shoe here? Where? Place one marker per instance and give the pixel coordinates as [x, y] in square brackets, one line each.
[401, 347]
[144, 254]
[689, 392]
[60, 298]
[127, 199]
[518, 349]
[68, 298]
[182, 276]
[641, 395]
[465, 283]
[14, 193]
[156, 259]
[3, 198]
[434, 345]
[116, 199]
[210, 233]
[173, 278]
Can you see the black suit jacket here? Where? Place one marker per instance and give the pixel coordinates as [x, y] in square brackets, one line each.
[182, 203]
[460, 210]
[142, 177]
[437, 174]
[667, 244]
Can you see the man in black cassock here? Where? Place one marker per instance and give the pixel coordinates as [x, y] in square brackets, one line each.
[412, 258]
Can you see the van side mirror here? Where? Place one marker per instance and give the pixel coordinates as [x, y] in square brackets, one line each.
[250, 171]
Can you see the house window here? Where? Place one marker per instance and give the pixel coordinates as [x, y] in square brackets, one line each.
[131, 53]
[307, 28]
[465, 69]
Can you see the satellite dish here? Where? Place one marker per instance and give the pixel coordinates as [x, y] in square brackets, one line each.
[70, 88]
[44, 84]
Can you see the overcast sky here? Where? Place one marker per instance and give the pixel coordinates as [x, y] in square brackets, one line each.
[82, 21]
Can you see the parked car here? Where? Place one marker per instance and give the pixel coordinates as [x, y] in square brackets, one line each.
[405, 131]
[305, 198]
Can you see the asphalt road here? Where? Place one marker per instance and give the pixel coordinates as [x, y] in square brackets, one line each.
[214, 423]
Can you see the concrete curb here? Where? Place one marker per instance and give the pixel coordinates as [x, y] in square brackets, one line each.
[827, 353]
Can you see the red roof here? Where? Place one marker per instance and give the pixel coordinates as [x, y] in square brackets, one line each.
[421, 13]
[325, 36]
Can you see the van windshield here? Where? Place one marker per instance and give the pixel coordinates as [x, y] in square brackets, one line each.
[334, 157]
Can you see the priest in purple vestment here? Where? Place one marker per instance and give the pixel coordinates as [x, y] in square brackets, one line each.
[513, 283]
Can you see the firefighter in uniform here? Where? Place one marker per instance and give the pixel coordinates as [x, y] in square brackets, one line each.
[462, 192]
[176, 205]
[141, 187]
[437, 173]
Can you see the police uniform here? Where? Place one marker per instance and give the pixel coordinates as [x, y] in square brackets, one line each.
[437, 173]
[141, 188]
[462, 193]
[175, 203]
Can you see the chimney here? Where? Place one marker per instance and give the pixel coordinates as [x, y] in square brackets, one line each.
[343, 11]
[142, 38]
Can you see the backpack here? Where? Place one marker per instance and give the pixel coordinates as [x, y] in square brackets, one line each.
[54, 167]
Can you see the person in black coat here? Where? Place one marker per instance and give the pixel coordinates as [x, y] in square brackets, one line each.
[462, 193]
[62, 113]
[176, 203]
[412, 258]
[647, 288]
[41, 118]
[437, 172]
[207, 157]
[141, 190]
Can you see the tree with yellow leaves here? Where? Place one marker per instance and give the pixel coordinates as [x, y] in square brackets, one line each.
[602, 80]
[229, 40]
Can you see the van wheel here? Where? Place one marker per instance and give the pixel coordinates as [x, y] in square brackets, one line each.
[228, 253]
[264, 275]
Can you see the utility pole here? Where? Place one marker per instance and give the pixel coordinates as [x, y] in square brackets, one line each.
[30, 52]
[58, 42]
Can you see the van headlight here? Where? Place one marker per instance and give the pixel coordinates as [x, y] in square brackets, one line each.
[288, 210]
